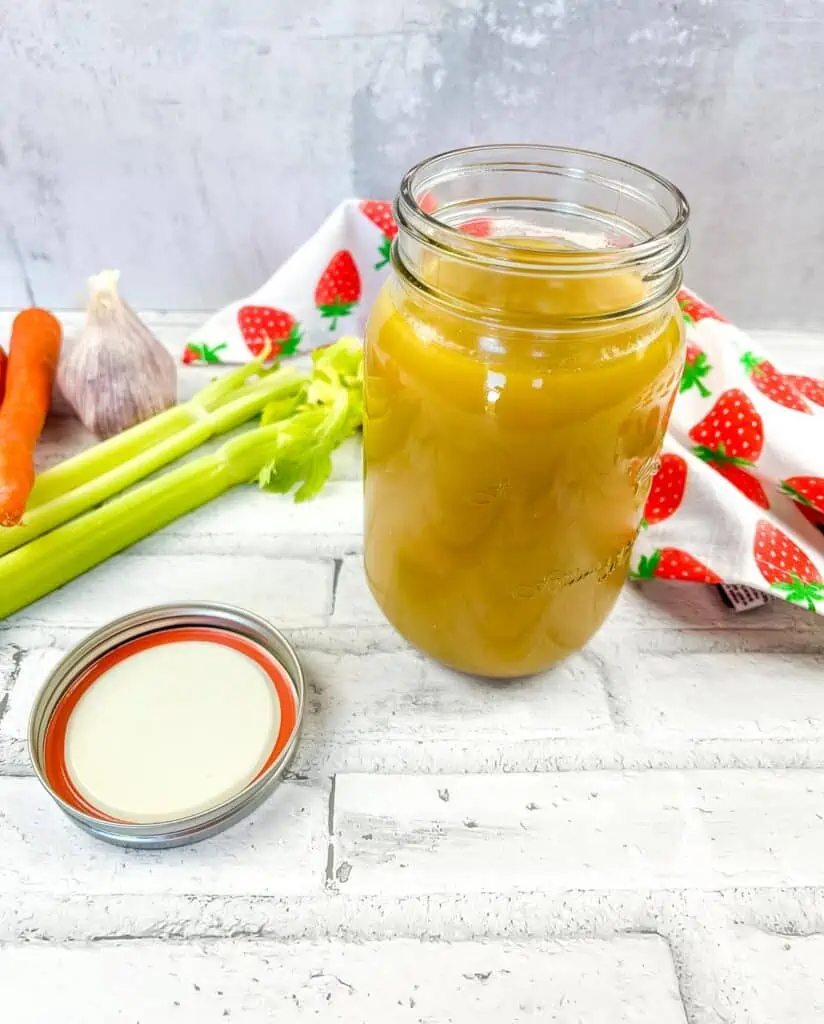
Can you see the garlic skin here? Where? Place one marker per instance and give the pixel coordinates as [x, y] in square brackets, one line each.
[117, 373]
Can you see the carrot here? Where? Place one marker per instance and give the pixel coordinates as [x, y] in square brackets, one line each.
[3, 362]
[33, 354]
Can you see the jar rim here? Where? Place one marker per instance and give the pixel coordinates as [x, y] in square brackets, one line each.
[669, 242]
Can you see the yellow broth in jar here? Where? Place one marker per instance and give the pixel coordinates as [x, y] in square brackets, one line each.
[507, 463]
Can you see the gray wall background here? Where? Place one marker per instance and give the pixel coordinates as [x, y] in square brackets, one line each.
[194, 143]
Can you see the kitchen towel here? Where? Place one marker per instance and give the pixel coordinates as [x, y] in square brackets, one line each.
[739, 496]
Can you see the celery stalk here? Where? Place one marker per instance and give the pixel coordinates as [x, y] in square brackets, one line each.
[50, 561]
[290, 452]
[122, 465]
[100, 458]
[47, 563]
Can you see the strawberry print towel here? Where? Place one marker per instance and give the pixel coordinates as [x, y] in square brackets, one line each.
[739, 495]
[323, 291]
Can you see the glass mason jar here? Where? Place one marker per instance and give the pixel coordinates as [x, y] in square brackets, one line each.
[521, 364]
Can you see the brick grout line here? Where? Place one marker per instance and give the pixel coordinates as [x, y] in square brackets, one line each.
[337, 565]
[792, 911]
[15, 662]
[430, 918]
[310, 548]
[330, 825]
[618, 703]
[492, 916]
[707, 978]
[560, 754]
[683, 979]
[365, 638]
[275, 940]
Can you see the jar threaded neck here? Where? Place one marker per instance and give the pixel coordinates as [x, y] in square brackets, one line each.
[541, 211]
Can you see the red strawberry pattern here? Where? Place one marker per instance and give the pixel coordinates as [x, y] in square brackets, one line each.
[772, 384]
[339, 289]
[812, 515]
[750, 486]
[696, 368]
[674, 564]
[805, 490]
[380, 213]
[809, 387]
[620, 241]
[808, 494]
[428, 203]
[667, 490]
[479, 227]
[265, 325]
[730, 439]
[195, 352]
[693, 309]
[787, 569]
[731, 430]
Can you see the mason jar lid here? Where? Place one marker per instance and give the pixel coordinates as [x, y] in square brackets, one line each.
[168, 725]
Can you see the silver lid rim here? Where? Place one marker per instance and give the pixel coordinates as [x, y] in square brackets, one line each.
[142, 623]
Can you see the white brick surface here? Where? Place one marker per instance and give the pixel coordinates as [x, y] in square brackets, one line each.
[765, 828]
[390, 983]
[713, 694]
[354, 604]
[510, 832]
[399, 709]
[31, 669]
[782, 977]
[635, 836]
[578, 830]
[292, 593]
[248, 521]
[279, 850]
[420, 716]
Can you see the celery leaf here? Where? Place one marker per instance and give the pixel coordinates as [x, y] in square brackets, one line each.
[314, 423]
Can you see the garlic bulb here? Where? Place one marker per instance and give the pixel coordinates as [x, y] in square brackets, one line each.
[117, 373]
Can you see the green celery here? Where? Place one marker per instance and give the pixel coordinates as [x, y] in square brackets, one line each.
[291, 451]
[81, 483]
[101, 457]
[331, 411]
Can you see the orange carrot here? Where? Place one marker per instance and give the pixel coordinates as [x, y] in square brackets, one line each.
[33, 354]
[3, 362]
